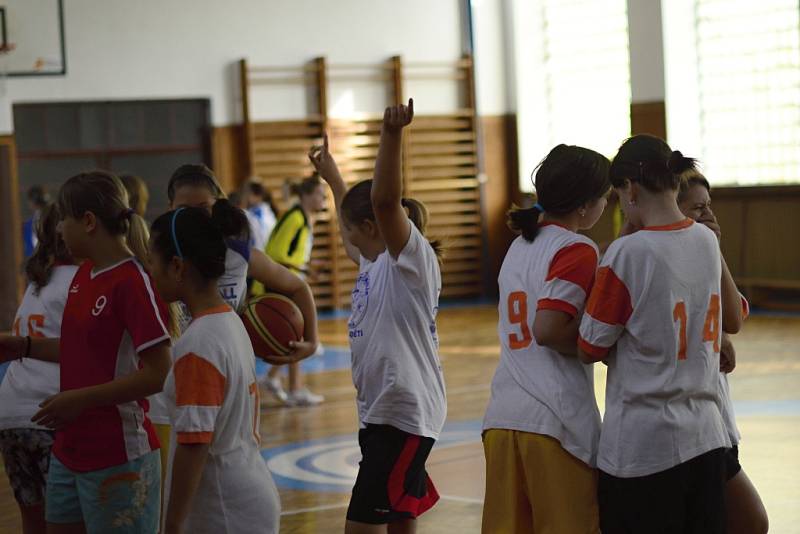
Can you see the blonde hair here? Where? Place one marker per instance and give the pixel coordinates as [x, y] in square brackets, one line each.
[103, 194]
[138, 195]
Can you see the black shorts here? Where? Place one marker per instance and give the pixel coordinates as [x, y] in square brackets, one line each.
[392, 483]
[732, 465]
[686, 499]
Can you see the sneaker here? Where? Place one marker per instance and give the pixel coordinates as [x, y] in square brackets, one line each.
[274, 386]
[303, 397]
[320, 350]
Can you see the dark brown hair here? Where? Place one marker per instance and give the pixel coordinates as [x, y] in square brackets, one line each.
[691, 178]
[50, 251]
[235, 223]
[649, 161]
[138, 195]
[357, 208]
[37, 195]
[255, 188]
[306, 186]
[567, 178]
[199, 237]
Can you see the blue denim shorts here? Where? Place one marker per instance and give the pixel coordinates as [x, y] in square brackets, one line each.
[121, 499]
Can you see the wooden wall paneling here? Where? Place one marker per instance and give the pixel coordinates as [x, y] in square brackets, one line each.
[327, 244]
[277, 152]
[440, 167]
[759, 240]
[244, 84]
[11, 281]
[649, 118]
[229, 155]
[444, 176]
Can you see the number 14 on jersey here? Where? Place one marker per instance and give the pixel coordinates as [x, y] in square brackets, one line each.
[711, 328]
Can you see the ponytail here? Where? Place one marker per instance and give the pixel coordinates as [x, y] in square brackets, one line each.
[567, 178]
[137, 237]
[525, 221]
[649, 161]
[50, 251]
[418, 214]
[230, 220]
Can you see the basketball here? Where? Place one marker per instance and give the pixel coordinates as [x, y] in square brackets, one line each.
[272, 321]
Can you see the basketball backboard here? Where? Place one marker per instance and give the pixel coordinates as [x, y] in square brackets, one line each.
[32, 38]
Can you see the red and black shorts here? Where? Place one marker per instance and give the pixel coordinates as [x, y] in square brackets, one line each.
[392, 483]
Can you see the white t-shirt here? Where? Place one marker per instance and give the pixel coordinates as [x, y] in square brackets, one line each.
[728, 415]
[536, 389]
[657, 299]
[262, 220]
[392, 328]
[213, 398]
[233, 290]
[28, 382]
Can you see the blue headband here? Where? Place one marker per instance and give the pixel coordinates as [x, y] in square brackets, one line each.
[174, 235]
[538, 207]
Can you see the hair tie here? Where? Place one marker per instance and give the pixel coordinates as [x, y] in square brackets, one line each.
[539, 207]
[127, 213]
[674, 161]
[175, 235]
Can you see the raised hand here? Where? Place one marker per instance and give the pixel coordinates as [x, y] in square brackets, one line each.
[395, 118]
[322, 160]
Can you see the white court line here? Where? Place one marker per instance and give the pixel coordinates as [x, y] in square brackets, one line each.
[320, 508]
[456, 498]
[323, 507]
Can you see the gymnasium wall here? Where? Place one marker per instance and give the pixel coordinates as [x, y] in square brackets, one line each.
[759, 224]
[118, 49]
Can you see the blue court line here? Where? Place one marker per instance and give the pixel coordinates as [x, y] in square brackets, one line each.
[787, 407]
[333, 359]
[443, 304]
[305, 474]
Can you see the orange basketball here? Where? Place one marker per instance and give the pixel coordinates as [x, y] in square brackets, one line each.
[272, 321]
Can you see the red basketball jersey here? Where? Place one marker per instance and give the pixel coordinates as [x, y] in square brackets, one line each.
[111, 315]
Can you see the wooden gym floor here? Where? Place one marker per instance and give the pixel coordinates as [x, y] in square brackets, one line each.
[313, 453]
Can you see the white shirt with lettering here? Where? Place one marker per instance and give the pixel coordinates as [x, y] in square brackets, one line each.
[392, 328]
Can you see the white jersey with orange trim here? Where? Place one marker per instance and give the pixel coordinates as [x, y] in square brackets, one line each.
[728, 415]
[657, 300]
[232, 287]
[535, 389]
[213, 398]
[28, 382]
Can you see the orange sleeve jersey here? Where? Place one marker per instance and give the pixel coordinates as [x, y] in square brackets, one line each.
[535, 389]
[654, 316]
[213, 399]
